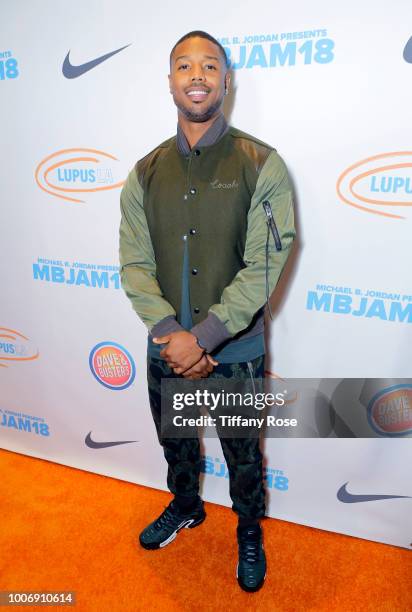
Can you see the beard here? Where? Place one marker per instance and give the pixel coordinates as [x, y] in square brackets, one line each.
[199, 116]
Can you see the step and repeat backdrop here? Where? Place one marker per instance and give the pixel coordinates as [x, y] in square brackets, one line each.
[84, 95]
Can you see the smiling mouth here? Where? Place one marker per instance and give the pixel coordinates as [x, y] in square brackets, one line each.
[197, 95]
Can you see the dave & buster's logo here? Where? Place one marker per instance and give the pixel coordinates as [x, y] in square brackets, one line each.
[381, 184]
[390, 411]
[14, 346]
[77, 171]
[112, 365]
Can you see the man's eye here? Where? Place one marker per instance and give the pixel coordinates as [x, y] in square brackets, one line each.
[210, 67]
[183, 66]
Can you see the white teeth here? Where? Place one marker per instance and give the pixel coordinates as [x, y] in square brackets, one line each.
[197, 93]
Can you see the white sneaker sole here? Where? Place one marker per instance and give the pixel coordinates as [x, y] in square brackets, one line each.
[183, 525]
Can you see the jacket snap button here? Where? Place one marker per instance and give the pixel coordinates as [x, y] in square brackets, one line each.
[194, 271]
[197, 152]
[192, 190]
[196, 310]
[192, 231]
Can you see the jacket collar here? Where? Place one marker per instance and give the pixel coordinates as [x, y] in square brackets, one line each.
[218, 128]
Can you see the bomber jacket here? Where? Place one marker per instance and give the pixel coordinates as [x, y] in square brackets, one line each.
[198, 249]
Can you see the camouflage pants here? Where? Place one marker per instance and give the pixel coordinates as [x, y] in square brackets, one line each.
[243, 456]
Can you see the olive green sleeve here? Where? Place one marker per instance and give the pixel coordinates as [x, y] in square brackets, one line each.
[246, 294]
[138, 264]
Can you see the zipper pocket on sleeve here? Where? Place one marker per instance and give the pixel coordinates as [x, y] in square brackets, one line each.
[272, 225]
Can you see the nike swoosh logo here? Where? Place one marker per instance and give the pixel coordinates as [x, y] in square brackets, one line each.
[92, 444]
[344, 496]
[407, 52]
[72, 72]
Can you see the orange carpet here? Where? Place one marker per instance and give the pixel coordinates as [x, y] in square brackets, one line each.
[64, 529]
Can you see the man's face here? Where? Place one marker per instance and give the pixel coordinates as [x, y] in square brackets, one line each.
[197, 79]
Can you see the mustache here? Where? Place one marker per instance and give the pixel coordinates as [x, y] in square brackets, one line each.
[198, 86]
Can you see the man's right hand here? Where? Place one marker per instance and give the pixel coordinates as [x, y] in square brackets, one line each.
[201, 369]
[181, 351]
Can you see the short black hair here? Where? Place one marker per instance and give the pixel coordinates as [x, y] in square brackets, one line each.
[201, 34]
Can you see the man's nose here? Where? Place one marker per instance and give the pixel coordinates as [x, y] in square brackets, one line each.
[198, 74]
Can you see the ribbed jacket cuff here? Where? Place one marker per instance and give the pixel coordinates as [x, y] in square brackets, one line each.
[210, 332]
[166, 326]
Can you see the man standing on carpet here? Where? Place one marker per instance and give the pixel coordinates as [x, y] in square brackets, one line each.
[206, 229]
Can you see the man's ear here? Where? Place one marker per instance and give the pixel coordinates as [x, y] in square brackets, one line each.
[170, 83]
[227, 82]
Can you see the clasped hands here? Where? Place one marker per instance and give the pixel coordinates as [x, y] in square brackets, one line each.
[184, 356]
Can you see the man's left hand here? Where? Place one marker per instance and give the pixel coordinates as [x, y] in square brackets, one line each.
[182, 350]
[201, 369]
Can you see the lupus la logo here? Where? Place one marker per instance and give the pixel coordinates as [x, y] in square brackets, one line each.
[381, 185]
[390, 411]
[15, 347]
[112, 365]
[77, 171]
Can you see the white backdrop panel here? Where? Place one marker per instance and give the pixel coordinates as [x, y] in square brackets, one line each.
[335, 97]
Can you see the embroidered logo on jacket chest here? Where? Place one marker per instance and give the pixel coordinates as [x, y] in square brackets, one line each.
[217, 184]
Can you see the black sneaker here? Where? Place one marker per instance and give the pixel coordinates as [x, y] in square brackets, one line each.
[166, 527]
[251, 569]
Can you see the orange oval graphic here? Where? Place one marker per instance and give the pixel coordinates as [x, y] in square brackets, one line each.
[379, 185]
[14, 346]
[77, 170]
